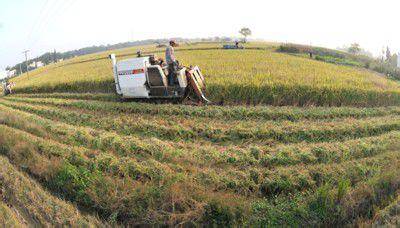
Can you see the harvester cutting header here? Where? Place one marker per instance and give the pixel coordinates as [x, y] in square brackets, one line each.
[152, 78]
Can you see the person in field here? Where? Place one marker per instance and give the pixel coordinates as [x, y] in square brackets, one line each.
[7, 87]
[171, 61]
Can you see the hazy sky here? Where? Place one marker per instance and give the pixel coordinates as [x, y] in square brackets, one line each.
[45, 25]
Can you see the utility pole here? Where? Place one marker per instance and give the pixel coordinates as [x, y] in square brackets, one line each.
[20, 68]
[55, 56]
[26, 61]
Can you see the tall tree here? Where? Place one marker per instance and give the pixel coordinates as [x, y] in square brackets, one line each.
[55, 56]
[388, 54]
[245, 32]
[354, 48]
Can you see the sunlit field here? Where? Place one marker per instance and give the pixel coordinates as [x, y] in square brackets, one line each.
[72, 154]
[233, 76]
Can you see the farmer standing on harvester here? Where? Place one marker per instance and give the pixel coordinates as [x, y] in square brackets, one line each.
[171, 61]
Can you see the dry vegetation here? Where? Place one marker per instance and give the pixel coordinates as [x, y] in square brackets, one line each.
[25, 203]
[135, 163]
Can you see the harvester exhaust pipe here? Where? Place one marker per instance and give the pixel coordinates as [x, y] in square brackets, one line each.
[115, 72]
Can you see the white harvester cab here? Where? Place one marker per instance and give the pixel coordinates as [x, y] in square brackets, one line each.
[145, 77]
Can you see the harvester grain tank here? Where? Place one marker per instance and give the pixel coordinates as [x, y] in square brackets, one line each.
[145, 77]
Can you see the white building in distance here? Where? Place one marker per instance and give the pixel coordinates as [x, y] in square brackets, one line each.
[36, 64]
[398, 59]
[11, 73]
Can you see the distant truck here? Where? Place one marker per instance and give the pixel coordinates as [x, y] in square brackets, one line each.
[237, 45]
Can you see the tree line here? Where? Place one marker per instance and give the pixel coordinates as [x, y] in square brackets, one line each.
[54, 56]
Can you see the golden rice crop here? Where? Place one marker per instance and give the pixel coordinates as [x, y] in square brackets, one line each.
[133, 164]
[234, 76]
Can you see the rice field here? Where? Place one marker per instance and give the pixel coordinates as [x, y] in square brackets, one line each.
[136, 164]
[256, 75]
[298, 143]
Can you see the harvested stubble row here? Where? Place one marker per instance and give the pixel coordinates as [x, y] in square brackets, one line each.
[220, 131]
[94, 186]
[32, 205]
[390, 215]
[116, 169]
[225, 112]
[211, 154]
[8, 217]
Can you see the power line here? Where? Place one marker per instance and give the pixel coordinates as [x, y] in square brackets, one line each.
[44, 12]
[44, 20]
[46, 15]
[36, 21]
[50, 16]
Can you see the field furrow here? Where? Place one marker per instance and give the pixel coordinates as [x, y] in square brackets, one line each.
[244, 182]
[88, 102]
[91, 180]
[97, 185]
[135, 166]
[213, 155]
[209, 155]
[9, 217]
[331, 205]
[32, 205]
[389, 215]
[284, 132]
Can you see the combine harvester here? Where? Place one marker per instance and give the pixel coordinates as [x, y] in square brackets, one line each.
[145, 77]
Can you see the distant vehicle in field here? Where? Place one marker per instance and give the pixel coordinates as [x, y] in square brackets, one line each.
[237, 45]
[161, 46]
